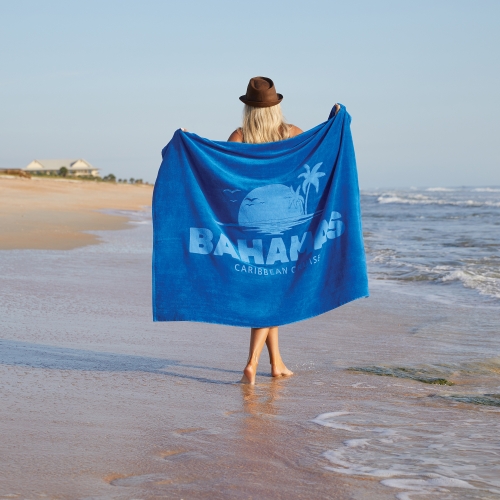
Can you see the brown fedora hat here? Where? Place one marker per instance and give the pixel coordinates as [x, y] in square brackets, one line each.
[261, 93]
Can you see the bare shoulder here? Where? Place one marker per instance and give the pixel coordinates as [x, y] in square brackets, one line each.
[294, 130]
[236, 136]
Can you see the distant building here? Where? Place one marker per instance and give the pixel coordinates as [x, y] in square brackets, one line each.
[76, 167]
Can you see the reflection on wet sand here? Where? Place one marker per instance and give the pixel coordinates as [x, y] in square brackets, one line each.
[246, 451]
[258, 420]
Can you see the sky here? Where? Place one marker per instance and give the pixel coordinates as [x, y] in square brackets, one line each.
[110, 81]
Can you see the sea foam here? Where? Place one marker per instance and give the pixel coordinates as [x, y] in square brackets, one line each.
[415, 457]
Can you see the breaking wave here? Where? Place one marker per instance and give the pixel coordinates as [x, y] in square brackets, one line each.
[484, 279]
[421, 199]
[485, 285]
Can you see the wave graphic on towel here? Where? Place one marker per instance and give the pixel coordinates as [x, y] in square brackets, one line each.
[274, 227]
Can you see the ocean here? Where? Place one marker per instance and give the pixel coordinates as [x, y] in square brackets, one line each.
[394, 396]
[448, 237]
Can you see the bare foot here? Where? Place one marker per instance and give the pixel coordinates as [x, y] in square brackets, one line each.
[280, 370]
[249, 374]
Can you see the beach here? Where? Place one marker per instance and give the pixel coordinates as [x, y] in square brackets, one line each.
[394, 396]
[52, 214]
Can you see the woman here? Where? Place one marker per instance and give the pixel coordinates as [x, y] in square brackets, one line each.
[263, 122]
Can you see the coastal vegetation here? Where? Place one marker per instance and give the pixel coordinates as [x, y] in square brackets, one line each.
[131, 181]
[64, 173]
[15, 171]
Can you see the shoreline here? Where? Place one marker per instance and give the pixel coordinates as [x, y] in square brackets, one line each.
[55, 214]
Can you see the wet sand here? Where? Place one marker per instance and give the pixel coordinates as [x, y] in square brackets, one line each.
[53, 214]
[99, 402]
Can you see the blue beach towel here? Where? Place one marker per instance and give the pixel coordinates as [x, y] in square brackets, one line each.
[258, 235]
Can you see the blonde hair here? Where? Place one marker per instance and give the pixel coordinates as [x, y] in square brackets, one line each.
[264, 125]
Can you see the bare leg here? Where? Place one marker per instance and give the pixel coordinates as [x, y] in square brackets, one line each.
[278, 368]
[257, 340]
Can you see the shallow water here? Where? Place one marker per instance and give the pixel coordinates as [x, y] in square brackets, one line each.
[448, 459]
[99, 402]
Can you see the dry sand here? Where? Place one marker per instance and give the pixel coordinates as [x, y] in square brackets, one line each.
[53, 214]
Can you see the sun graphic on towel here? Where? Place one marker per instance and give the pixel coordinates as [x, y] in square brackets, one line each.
[276, 208]
[274, 202]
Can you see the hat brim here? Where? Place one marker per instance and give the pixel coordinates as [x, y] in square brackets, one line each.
[260, 104]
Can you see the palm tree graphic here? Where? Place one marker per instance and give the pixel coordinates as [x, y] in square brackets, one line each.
[311, 177]
[295, 199]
